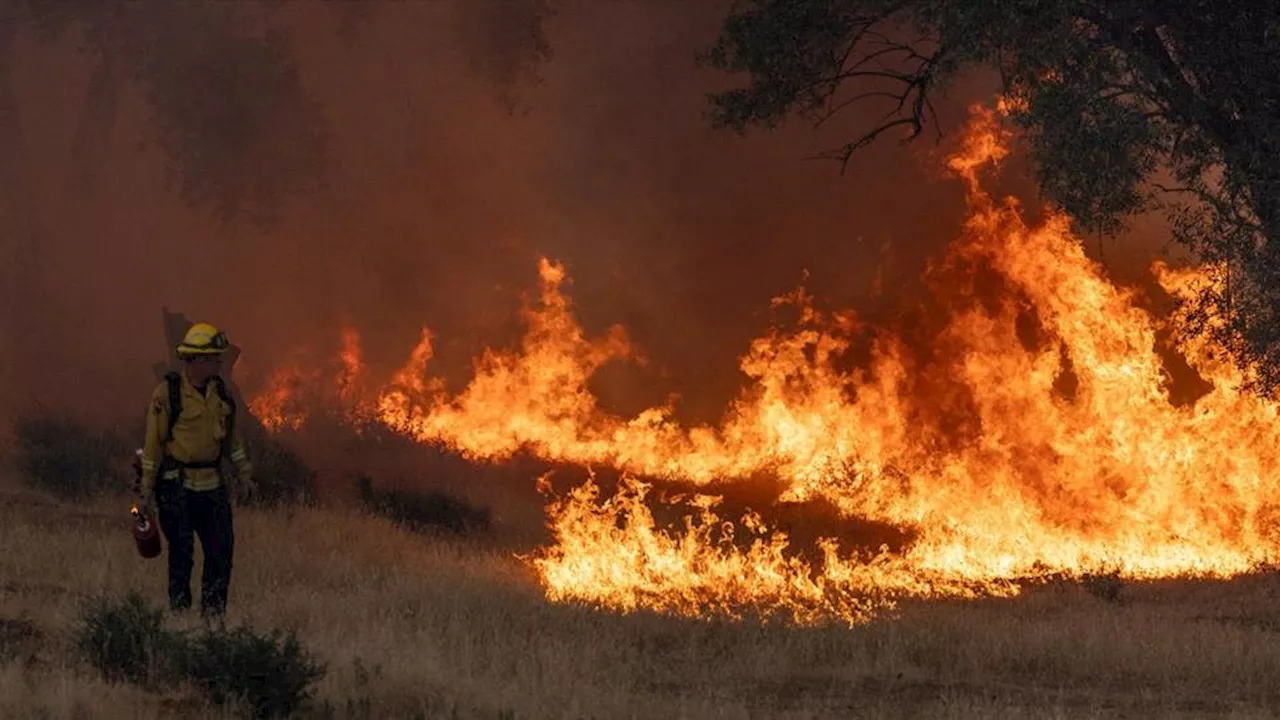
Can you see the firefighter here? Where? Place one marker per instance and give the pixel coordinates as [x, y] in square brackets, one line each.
[190, 430]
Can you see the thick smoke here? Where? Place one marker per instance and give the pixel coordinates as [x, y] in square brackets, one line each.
[461, 142]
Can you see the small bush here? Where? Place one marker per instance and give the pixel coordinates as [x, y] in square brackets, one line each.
[1108, 587]
[62, 456]
[282, 478]
[125, 640]
[271, 675]
[19, 639]
[422, 511]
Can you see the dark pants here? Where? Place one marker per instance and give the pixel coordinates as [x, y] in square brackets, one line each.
[185, 514]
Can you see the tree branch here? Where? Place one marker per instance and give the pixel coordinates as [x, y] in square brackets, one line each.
[860, 96]
[1220, 205]
[845, 152]
[913, 98]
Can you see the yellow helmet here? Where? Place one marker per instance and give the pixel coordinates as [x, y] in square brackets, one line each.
[203, 339]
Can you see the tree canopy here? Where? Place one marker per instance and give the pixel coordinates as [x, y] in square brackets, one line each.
[228, 109]
[1127, 105]
[239, 130]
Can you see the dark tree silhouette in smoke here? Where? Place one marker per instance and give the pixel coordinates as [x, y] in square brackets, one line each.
[230, 112]
[507, 42]
[228, 109]
[238, 132]
[1114, 96]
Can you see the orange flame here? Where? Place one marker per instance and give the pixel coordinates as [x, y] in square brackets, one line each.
[295, 390]
[352, 362]
[277, 406]
[1046, 442]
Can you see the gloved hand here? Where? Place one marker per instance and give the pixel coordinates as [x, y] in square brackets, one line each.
[143, 504]
[247, 488]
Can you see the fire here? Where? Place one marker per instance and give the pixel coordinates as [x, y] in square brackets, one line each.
[352, 366]
[536, 398]
[613, 554]
[1037, 437]
[295, 390]
[278, 406]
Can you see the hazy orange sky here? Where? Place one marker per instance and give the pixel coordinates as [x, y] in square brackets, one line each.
[442, 196]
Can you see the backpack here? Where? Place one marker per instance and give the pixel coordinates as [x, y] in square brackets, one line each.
[174, 381]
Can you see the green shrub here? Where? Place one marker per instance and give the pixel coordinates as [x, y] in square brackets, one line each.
[125, 640]
[271, 675]
[59, 455]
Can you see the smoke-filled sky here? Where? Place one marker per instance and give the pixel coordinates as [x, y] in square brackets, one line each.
[456, 157]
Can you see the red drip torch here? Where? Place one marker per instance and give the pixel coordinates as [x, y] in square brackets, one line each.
[145, 534]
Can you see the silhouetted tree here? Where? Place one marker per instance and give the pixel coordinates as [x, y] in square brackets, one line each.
[506, 40]
[1128, 106]
[228, 110]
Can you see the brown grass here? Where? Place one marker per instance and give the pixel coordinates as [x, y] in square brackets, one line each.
[418, 627]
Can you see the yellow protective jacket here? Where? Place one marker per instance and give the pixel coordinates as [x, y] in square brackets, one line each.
[198, 437]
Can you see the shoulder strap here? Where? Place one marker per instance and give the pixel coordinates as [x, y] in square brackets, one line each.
[175, 399]
[221, 387]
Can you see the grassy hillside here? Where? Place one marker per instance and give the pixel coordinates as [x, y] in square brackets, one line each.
[415, 626]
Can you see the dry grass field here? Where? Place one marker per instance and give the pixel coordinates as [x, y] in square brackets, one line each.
[411, 625]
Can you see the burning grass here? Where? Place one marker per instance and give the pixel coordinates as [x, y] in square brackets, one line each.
[412, 625]
[1027, 430]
